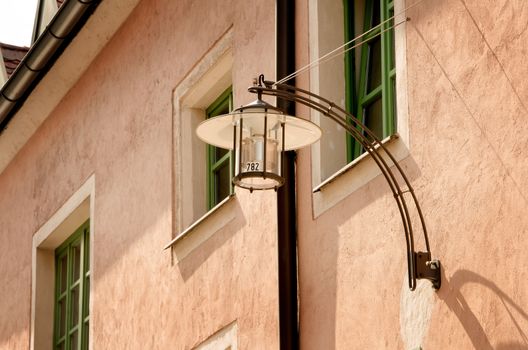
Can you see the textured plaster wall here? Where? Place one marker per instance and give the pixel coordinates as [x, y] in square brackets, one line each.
[467, 93]
[467, 109]
[116, 123]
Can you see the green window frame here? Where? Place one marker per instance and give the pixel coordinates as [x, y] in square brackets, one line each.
[371, 88]
[220, 161]
[72, 291]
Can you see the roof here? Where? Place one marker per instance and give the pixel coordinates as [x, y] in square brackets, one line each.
[12, 56]
[62, 60]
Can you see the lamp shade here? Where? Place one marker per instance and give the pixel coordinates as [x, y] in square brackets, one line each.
[259, 133]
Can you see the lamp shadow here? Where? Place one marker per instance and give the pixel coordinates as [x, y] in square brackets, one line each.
[325, 234]
[452, 296]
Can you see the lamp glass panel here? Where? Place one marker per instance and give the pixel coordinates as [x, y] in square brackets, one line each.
[259, 132]
[260, 147]
[253, 155]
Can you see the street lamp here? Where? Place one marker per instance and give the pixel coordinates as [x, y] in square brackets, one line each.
[259, 133]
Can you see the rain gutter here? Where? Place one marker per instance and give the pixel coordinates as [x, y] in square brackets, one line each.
[286, 194]
[63, 27]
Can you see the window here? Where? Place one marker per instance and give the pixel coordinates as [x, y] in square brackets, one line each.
[364, 82]
[193, 99]
[77, 211]
[201, 173]
[219, 161]
[370, 69]
[72, 291]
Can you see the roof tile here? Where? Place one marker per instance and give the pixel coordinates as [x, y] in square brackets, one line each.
[12, 56]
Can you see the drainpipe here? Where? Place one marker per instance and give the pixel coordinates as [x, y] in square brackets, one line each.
[286, 198]
[63, 27]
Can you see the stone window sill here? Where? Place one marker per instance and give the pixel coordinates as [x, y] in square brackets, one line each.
[353, 176]
[203, 228]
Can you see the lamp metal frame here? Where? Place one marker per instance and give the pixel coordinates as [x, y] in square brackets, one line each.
[264, 173]
[419, 264]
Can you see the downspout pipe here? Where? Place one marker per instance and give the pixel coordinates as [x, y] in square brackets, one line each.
[61, 30]
[286, 194]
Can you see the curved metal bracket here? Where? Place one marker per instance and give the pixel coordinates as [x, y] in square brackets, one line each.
[419, 264]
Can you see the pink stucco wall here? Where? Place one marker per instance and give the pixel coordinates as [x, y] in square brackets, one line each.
[467, 98]
[466, 63]
[116, 123]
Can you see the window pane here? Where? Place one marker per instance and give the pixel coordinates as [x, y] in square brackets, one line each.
[219, 174]
[219, 153]
[62, 317]
[377, 63]
[373, 118]
[85, 336]
[63, 262]
[74, 306]
[374, 72]
[223, 108]
[394, 103]
[76, 260]
[392, 42]
[74, 342]
[376, 11]
[86, 297]
[223, 182]
[87, 251]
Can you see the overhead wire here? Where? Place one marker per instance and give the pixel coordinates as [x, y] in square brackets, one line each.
[340, 50]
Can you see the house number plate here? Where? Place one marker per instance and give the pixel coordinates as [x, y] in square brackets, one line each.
[253, 166]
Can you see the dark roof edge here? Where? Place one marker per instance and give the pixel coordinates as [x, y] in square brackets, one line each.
[13, 47]
[61, 30]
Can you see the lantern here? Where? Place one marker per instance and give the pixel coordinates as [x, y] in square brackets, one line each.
[259, 133]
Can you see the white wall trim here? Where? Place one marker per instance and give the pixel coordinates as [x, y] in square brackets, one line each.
[75, 211]
[225, 338]
[211, 76]
[354, 175]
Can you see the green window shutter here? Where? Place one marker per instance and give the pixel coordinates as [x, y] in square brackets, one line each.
[72, 291]
[220, 161]
[370, 86]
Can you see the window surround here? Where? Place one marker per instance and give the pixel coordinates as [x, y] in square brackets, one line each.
[329, 190]
[218, 217]
[207, 80]
[60, 226]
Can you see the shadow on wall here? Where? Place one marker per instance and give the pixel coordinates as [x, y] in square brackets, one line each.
[327, 236]
[456, 302]
[203, 251]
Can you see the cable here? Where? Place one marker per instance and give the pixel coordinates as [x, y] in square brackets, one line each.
[326, 58]
[336, 52]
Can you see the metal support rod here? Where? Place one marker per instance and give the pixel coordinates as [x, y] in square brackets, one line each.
[240, 144]
[417, 268]
[233, 163]
[265, 143]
